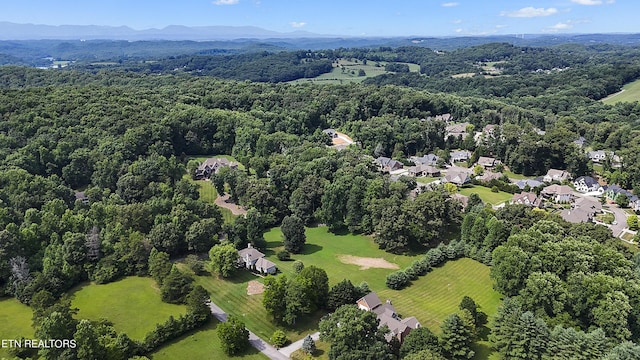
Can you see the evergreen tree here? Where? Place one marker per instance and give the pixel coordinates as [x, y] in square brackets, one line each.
[456, 338]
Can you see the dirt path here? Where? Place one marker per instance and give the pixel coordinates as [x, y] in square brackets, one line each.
[223, 201]
[366, 263]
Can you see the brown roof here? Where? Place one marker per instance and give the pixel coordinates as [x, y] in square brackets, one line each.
[576, 215]
[527, 198]
[371, 300]
[556, 189]
[486, 161]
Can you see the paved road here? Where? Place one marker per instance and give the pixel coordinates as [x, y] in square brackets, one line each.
[254, 340]
[288, 350]
[621, 219]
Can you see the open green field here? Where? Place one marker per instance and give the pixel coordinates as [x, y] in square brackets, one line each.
[347, 71]
[426, 179]
[630, 93]
[513, 175]
[15, 322]
[486, 194]
[202, 344]
[132, 304]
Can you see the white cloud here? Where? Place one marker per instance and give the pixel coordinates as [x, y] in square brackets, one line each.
[593, 2]
[457, 21]
[458, 30]
[226, 2]
[501, 26]
[529, 12]
[560, 26]
[450, 4]
[298, 24]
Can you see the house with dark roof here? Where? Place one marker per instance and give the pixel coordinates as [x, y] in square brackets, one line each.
[331, 132]
[386, 164]
[212, 166]
[253, 259]
[556, 175]
[526, 198]
[521, 184]
[387, 315]
[459, 156]
[597, 156]
[429, 159]
[585, 184]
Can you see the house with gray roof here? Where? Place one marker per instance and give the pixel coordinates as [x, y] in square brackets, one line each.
[556, 175]
[387, 315]
[521, 184]
[558, 193]
[429, 159]
[576, 216]
[253, 259]
[458, 178]
[456, 130]
[459, 156]
[423, 170]
[487, 162]
[387, 165]
[212, 166]
[526, 198]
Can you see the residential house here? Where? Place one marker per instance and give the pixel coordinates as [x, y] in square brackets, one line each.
[331, 132]
[576, 216]
[585, 184]
[597, 156]
[489, 130]
[386, 164]
[558, 193]
[82, 197]
[488, 176]
[556, 175]
[212, 166]
[463, 199]
[526, 198]
[580, 141]
[487, 162]
[423, 170]
[456, 130]
[456, 177]
[521, 184]
[614, 191]
[429, 159]
[588, 204]
[387, 315]
[459, 156]
[253, 259]
[444, 117]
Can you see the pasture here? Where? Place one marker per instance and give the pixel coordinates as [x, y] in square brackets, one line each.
[629, 93]
[15, 318]
[347, 70]
[132, 304]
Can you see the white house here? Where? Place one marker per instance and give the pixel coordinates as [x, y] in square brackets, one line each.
[585, 184]
[556, 175]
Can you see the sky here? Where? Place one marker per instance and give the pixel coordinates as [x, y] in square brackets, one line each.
[348, 18]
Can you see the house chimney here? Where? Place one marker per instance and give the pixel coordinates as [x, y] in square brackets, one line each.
[389, 301]
[249, 246]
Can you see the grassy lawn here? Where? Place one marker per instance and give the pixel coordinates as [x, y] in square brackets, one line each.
[322, 352]
[436, 295]
[486, 194]
[426, 179]
[132, 304]
[15, 320]
[630, 93]
[606, 218]
[513, 175]
[346, 71]
[200, 345]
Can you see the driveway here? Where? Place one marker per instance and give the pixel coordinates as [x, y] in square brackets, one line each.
[288, 350]
[254, 340]
[621, 219]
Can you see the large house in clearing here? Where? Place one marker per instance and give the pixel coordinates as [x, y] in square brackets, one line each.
[253, 259]
[387, 315]
[212, 166]
[558, 193]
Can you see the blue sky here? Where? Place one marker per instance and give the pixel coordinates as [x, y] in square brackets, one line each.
[355, 18]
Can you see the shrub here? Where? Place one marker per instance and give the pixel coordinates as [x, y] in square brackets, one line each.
[397, 280]
[279, 338]
[284, 255]
[495, 189]
[298, 266]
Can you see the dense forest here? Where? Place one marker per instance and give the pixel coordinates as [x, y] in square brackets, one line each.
[123, 137]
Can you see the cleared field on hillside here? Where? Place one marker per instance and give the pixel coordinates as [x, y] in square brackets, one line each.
[15, 322]
[347, 70]
[630, 93]
[486, 194]
[132, 304]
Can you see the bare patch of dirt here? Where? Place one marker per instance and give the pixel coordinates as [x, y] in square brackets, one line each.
[225, 202]
[367, 263]
[255, 288]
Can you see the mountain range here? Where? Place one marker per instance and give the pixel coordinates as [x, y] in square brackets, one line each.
[14, 31]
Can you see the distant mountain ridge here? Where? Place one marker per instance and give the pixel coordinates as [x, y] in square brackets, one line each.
[14, 31]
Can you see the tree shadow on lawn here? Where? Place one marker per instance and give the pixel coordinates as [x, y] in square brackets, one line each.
[241, 276]
[309, 249]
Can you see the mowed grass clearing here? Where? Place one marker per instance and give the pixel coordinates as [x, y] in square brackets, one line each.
[630, 93]
[15, 322]
[486, 194]
[346, 70]
[203, 344]
[132, 304]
